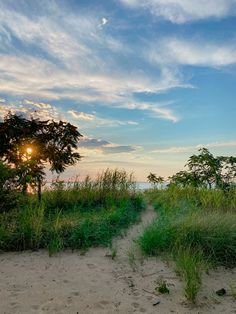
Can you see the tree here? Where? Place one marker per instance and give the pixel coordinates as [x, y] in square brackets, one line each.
[228, 172]
[154, 180]
[184, 178]
[29, 145]
[205, 170]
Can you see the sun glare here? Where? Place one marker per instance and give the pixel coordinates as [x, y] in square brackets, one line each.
[29, 150]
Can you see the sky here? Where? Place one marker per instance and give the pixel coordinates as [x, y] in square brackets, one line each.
[147, 82]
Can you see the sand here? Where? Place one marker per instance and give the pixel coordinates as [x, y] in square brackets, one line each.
[33, 282]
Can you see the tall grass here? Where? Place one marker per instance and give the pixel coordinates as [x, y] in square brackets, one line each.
[192, 221]
[74, 215]
[31, 221]
[109, 188]
[189, 265]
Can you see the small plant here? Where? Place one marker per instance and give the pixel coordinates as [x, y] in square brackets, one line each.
[162, 287]
[113, 253]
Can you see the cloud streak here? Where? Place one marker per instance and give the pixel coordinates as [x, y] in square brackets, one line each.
[104, 146]
[188, 149]
[174, 51]
[183, 11]
[92, 118]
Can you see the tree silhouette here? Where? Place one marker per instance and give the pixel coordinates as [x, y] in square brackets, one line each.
[154, 180]
[29, 145]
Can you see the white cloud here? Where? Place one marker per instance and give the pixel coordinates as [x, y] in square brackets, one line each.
[97, 121]
[182, 11]
[173, 51]
[28, 108]
[76, 67]
[81, 115]
[40, 105]
[156, 110]
[187, 149]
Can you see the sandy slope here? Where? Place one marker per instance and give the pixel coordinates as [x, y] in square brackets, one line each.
[94, 283]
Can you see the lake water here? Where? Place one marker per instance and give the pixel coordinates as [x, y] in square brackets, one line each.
[143, 185]
[140, 185]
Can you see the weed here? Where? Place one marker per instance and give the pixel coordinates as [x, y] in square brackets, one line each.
[162, 287]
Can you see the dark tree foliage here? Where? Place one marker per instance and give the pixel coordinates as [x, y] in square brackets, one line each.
[8, 188]
[205, 170]
[154, 180]
[30, 144]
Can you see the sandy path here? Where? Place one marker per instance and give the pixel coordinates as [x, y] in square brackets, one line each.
[32, 282]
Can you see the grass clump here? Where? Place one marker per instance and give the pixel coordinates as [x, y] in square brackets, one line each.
[189, 265]
[31, 221]
[196, 227]
[55, 241]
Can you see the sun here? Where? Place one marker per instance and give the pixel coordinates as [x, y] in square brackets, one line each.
[29, 150]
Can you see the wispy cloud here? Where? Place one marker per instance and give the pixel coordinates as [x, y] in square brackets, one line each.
[82, 115]
[182, 11]
[174, 51]
[105, 147]
[76, 60]
[188, 149]
[98, 121]
[156, 110]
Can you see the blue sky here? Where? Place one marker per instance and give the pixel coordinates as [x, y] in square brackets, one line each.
[148, 82]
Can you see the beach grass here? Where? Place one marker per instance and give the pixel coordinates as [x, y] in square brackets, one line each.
[73, 216]
[196, 227]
